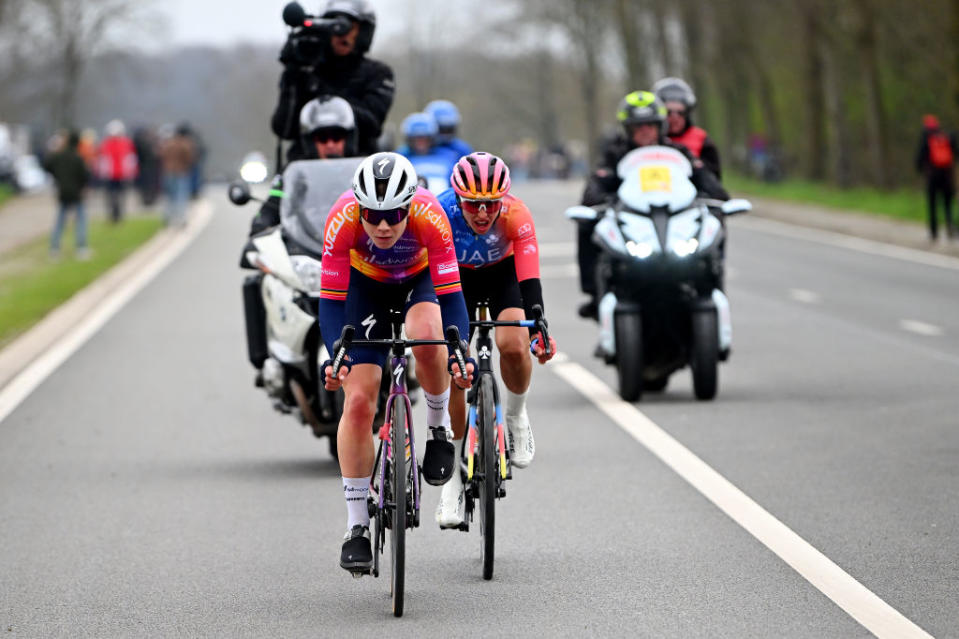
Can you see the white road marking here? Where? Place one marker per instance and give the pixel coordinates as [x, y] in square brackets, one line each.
[804, 296]
[849, 242]
[860, 603]
[37, 371]
[557, 249]
[921, 328]
[558, 271]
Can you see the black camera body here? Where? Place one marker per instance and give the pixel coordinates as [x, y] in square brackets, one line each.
[309, 36]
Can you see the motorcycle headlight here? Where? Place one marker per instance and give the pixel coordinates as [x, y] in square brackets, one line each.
[254, 171]
[642, 250]
[309, 271]
[683, 248]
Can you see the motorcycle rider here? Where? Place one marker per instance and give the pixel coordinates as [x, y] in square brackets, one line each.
[499, 261]
[328, 130]
[387, 243]
[447, 118]
[341, 69]
[679, 100]
[643, 118]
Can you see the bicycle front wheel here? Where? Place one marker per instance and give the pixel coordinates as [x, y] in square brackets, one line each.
[398, 417]
[488, 454]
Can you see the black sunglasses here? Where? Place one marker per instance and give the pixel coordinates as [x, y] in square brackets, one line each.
[334, 135]
[681, 112]
[392, 216]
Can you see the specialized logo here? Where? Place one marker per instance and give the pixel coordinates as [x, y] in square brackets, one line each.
[368, 323]
[398, 374]
[382, 165]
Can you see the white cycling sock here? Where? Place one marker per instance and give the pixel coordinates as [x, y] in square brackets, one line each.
[437, 413]
[515, 402]
[356, 490]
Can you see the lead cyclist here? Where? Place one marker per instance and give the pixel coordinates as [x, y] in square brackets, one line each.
[387, 243]
[498, 255]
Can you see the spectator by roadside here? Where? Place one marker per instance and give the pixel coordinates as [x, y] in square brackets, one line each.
[177, 156]
[71, 175]
[148, 178]
[117, 159]
[936, 160]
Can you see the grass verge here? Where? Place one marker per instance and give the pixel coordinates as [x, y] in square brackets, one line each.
[903, 204]
[5, 193]
[32, 284]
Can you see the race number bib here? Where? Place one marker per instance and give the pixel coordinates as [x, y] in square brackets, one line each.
[655, 179]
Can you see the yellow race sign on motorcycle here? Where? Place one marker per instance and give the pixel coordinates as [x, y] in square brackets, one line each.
[655, 179]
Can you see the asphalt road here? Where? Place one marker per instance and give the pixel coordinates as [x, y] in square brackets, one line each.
[147, 489]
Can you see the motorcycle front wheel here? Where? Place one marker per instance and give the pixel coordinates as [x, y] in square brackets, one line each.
[629, 355]
[704, 356]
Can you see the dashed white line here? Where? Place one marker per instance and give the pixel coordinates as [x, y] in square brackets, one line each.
[804, 296]
[860, 603]
[920, 328]
[558, 271]
[557, 249]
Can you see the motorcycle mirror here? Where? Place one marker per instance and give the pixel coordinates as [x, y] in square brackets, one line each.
[581, 213]
[736, 205]
[239, 193]
[294, 15]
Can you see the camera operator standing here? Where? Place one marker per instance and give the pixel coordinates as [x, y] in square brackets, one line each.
[328, 57]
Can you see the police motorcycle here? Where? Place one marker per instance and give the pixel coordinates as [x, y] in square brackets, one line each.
[660, 275]
[281, 302]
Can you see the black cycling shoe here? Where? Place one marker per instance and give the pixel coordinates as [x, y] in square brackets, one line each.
[589, 310]
[357, 554]
[439, 458]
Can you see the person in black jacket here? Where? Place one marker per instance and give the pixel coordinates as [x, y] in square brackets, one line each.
[643, 117]
[340, 67]
[71, 175]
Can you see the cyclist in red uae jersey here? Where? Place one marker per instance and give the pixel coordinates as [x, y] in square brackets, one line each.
[499, 263]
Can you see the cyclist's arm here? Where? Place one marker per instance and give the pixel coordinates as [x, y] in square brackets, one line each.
[522, 232]
[435, 234]
[335, 280]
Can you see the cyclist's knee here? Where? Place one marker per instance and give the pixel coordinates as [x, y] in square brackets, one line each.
[358, 411]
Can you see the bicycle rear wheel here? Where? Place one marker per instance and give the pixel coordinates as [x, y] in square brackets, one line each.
[398, 483]
[488, 454]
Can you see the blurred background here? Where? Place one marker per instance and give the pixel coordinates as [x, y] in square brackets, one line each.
[831, 91]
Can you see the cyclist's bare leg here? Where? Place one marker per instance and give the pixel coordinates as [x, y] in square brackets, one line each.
[512, 342]
[423, 321]
[516, 366]
[354, 439]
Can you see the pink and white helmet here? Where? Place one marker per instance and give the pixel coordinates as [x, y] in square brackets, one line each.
[480, 176]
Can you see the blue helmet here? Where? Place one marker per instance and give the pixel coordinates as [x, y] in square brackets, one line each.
[445, 113]
[419, 125]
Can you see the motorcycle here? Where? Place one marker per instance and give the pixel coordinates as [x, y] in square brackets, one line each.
[282, 300]
[660, 275]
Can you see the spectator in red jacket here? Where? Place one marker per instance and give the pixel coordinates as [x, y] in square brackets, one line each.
[936, 160]
[117, 166]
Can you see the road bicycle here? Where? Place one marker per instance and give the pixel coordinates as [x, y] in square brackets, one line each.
[485, 459]
[397, 476]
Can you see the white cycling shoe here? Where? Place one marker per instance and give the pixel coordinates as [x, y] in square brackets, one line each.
[522, 439]
[450, 510]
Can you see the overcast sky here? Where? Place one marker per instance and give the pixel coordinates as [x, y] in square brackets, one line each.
[226, 22]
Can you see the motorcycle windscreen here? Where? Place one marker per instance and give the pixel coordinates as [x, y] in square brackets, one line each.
[311, 188]
[655, 176]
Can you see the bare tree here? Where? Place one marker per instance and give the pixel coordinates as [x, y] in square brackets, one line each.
[73, 31]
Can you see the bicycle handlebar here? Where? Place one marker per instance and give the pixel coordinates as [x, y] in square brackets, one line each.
[341, 345]
[538, 322]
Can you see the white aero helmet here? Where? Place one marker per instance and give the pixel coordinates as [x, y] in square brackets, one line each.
[384, 181]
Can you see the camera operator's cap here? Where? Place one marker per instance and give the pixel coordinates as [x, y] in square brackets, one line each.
[359, 10]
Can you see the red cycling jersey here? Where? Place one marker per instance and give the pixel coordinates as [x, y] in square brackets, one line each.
[426, 241]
